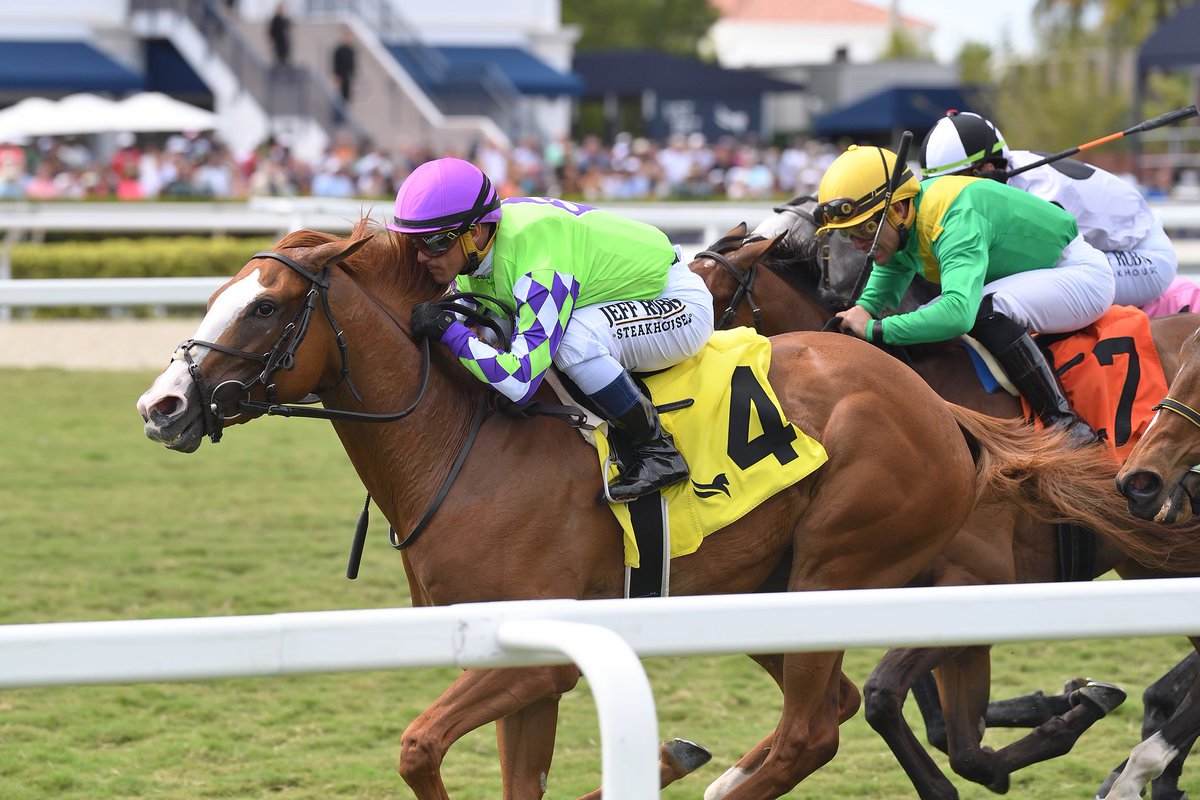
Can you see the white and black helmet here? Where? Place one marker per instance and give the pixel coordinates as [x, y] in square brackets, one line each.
[959, 141]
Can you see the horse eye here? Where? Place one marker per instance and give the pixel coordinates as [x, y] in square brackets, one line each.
[265, 309]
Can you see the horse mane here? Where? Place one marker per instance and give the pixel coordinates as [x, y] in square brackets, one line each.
[799, 266]
[387, 263]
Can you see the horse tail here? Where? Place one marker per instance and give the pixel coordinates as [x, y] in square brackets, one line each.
[1041, 472]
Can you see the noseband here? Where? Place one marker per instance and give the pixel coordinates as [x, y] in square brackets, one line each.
[1185, 411]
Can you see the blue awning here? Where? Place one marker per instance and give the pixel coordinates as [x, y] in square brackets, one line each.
[900, 108]
[631, 72]
[168, 72]
[527, 72]
[449, 65]
[62, 67]
[1173, 43]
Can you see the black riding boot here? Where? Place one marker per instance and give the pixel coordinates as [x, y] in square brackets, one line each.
[1022, 360]
[656, 464]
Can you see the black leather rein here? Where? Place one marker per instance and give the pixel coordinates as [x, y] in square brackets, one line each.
[282, 356]
[745, 290]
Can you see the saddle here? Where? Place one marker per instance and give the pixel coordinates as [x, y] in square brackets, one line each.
[1110, 372]
[741, 449]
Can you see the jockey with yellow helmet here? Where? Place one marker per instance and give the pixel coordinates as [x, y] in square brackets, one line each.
[596, 294]
[1007, 263]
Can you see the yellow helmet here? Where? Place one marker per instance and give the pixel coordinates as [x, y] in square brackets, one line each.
[854, 187]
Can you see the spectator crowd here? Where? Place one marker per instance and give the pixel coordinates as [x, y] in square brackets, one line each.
[199, 165]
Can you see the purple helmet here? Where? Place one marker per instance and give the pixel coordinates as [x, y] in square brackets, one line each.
[444, 193]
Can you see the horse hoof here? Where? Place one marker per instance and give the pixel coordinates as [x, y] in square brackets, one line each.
[1101, 697]
[1074, 685]
[691, 756]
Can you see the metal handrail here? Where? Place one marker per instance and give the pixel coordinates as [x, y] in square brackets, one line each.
[291, 91]
[455, 91]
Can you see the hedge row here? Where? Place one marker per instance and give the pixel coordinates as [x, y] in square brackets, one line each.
[150, 257]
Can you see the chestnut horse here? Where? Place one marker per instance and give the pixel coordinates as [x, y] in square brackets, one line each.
[520, 520]
[1160, 479]
[799, 284]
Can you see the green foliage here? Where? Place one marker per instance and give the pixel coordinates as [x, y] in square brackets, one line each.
[151, 257]
[99, 523]
[673, 26]
[1053, 106]
[902, 45]
[975, 64]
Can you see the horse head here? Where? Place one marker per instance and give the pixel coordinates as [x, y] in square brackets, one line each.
[269, 337]
[728, 268]
[1161, 477]
[832, 258]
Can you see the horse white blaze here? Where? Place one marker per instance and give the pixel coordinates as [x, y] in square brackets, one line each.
[1146, 762]
[226, 309]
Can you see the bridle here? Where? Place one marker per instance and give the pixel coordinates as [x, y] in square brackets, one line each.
[746, 279]
[281, 355]
[745, 282]
[1183, 410]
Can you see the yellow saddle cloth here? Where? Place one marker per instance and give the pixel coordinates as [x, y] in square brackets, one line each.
[738, 445]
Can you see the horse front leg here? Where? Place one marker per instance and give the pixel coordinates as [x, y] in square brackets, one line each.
[477, 697]
[525, 740]
[848, 702]
[1162, 752]
[806, 738]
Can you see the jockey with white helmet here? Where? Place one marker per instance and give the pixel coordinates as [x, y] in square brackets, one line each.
[596, 294]
[1112, 215]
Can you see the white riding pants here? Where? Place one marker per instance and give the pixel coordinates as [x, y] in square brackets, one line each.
[604, 339]
[1072, 294]
[1145, 271]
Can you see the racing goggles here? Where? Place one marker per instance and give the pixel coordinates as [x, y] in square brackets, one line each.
[438, 242]
[863, 230]
[841, 210]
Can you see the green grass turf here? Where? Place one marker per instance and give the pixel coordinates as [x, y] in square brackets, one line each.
[97, 523]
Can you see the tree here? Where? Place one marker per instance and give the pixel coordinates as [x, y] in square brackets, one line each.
[673, 26]
[1127, 22]
[902, 45]
[975, 64]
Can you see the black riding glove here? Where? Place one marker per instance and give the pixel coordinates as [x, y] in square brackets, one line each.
[429, 321]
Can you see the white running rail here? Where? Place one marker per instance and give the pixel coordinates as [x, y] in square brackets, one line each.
[604, 637]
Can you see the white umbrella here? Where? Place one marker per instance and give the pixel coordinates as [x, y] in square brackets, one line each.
[155, 111]
[88, 113]
[19, 117]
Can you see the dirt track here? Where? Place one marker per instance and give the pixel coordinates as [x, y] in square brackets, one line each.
[92, 344]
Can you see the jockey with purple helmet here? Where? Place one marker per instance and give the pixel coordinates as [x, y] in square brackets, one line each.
[630, 302]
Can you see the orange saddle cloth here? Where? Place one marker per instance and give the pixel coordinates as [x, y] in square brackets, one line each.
[1111, 374]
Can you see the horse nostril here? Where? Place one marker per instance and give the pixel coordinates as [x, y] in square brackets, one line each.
[168, 407]
[1141, 486]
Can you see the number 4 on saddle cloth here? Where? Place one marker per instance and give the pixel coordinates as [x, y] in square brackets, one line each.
[739, 447]
[1110, 373]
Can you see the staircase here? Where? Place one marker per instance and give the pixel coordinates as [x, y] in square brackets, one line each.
[405, 93]
[252, 97]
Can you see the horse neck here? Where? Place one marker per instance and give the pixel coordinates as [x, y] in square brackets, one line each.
[787, 307]
[385, 365]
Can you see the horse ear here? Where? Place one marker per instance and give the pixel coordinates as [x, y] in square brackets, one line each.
[738, 232]
[759, 247]
[329, 254]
